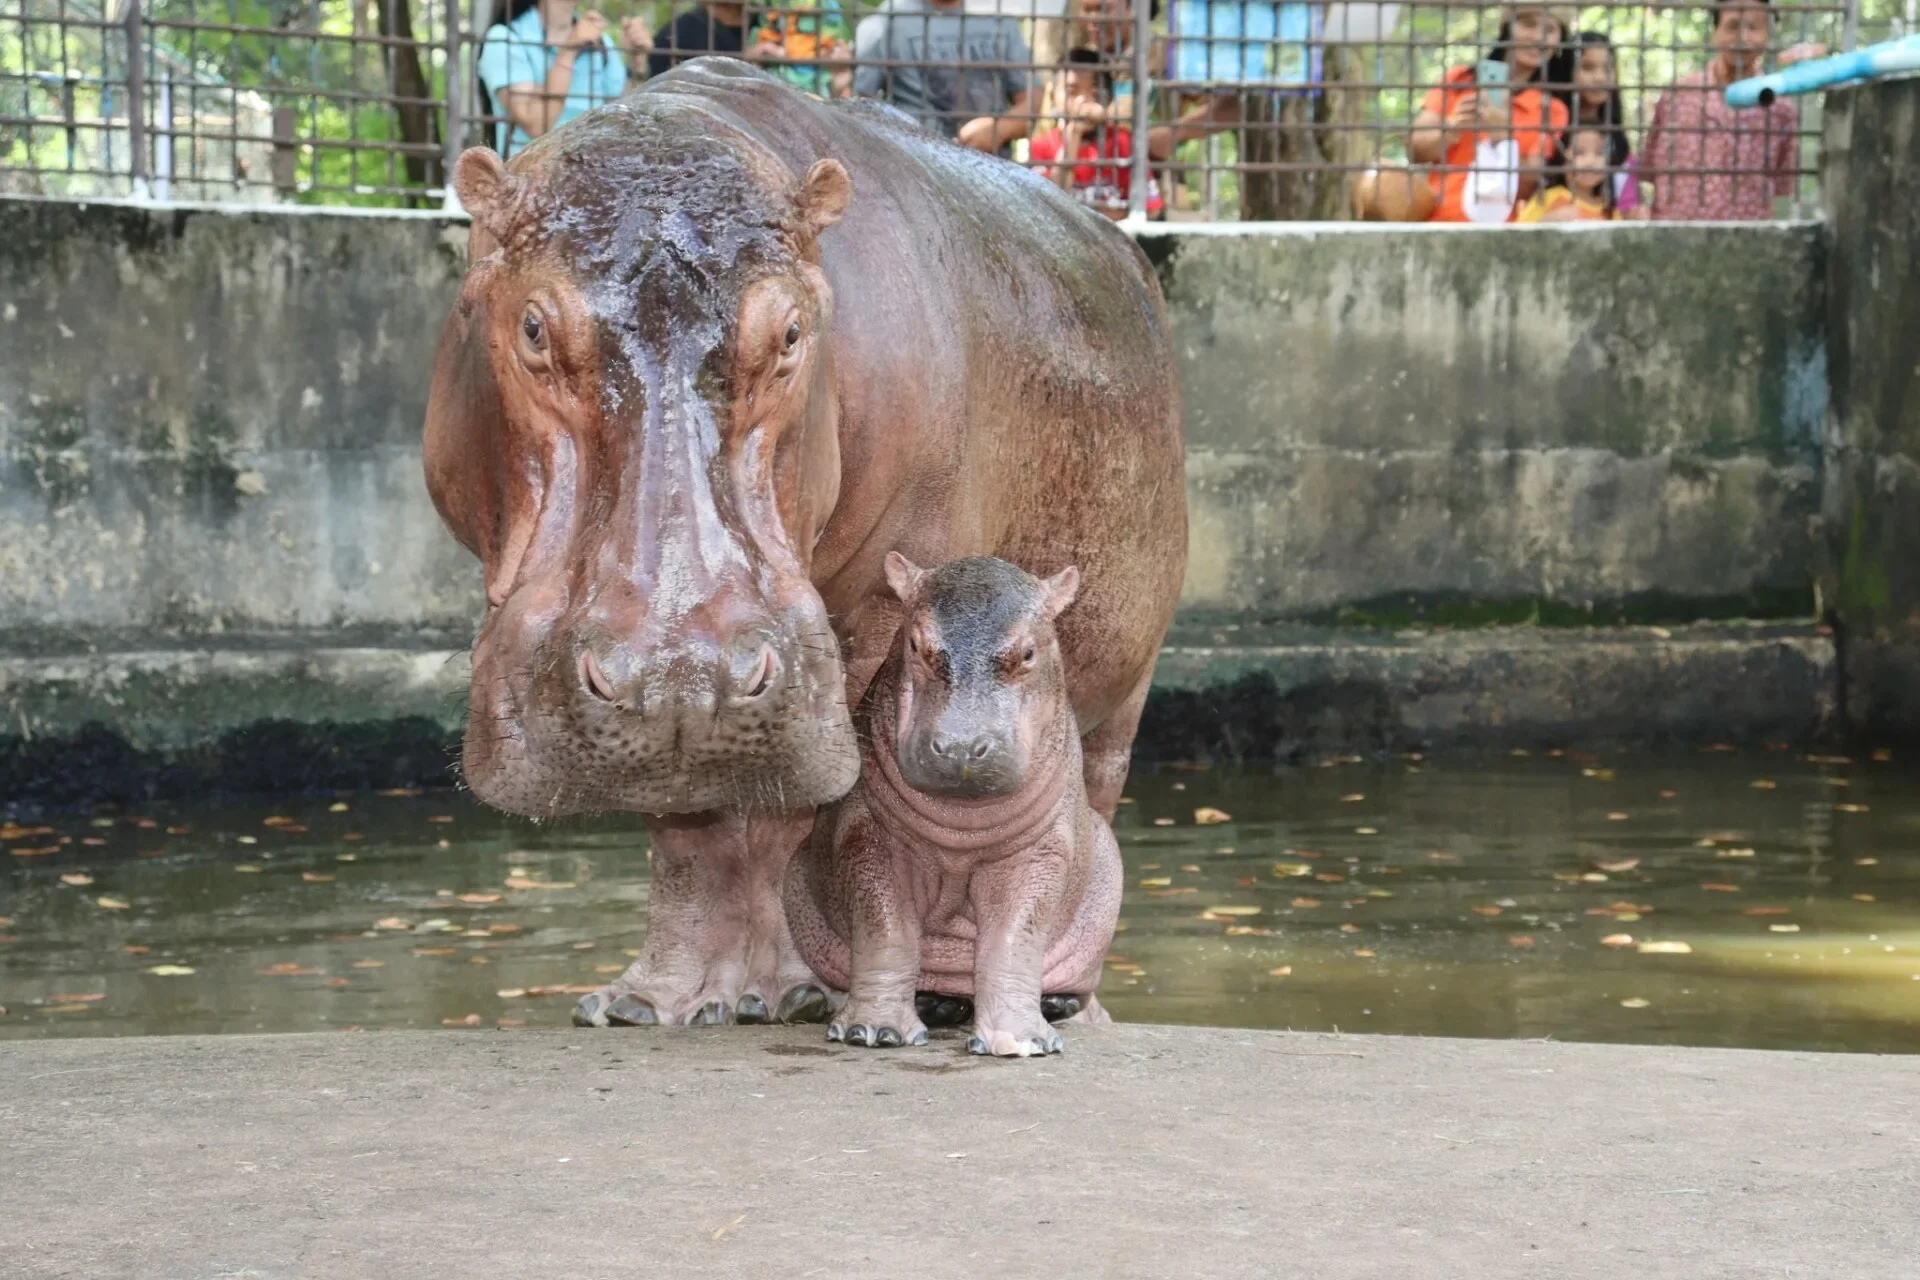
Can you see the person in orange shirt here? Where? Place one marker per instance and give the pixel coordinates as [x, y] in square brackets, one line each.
[1579, 182]
[1458, 117]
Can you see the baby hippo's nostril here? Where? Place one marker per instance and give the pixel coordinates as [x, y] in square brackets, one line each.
[983, 747]
[752, 671]
[594, 678]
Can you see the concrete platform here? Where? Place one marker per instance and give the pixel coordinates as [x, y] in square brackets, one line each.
[1145, 1151]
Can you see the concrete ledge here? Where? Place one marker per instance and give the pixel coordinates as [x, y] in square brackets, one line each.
[1144, 1151]
[124, 726]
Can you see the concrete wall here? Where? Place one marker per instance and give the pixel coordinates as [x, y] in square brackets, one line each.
[1871, 572]
[1566, 415]
[209, 421]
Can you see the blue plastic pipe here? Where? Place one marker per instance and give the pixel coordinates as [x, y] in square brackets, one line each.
[1886, 59]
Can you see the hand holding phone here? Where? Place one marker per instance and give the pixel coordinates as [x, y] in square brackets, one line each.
[1491, 75]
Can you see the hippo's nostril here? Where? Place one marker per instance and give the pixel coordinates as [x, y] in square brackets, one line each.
[762, 679]
[983, 747]
[593, 677]
[943, 746]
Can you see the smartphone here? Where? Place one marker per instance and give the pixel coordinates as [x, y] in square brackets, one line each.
[1491, 76]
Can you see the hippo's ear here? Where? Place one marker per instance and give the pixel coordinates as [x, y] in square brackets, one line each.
[485, 188]
[1058, 591]
[904, 576]
[824, 196]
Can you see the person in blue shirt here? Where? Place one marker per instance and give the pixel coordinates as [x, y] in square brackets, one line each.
[543, 63]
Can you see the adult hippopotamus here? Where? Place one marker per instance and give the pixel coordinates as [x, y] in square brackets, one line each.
[721, 347]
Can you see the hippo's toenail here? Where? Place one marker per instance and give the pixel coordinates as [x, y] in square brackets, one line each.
[805, 1003]
[860, 1034]
[1058, 1008]
[937, 1010]
[632, 1011]
[836, 1033]
[591, 1010]
[714, 1013]
[751, 1010]
[888, 1038]
[976, 1045]
[918, 1037]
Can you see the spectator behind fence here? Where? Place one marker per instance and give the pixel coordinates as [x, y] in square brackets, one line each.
[929, 51]
[807, 45]
[1578, 183]
[1097, 147]
[1493, 141]
[1708, 161]
[1587, 79]
[542, 63]
[707, 28]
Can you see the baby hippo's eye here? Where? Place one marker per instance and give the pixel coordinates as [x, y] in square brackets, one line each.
[793, 335]
[1027, 657]
[535, 331]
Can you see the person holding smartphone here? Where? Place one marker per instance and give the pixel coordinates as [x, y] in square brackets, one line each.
[1490, 125]
[543, 62]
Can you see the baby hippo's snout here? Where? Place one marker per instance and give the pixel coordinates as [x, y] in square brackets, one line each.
[965, 760]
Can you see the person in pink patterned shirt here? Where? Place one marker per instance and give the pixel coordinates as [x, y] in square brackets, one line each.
[1711, 162]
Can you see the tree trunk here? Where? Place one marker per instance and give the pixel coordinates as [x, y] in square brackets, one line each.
[1294, 128]
[419, 118]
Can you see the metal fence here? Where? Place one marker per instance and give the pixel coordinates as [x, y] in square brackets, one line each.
[1253, 108]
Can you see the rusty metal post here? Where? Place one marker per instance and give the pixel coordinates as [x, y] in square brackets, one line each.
[455, 125]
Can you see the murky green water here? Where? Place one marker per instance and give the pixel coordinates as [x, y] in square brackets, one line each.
[1478, 896]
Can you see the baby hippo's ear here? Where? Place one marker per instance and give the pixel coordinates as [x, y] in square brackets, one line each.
[1059, 591]
[904, 576]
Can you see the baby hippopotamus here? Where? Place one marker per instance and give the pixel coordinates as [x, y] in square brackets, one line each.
[966, 861]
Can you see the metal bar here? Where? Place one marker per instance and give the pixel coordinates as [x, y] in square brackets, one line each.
[136, 101]
[454, 126]
[1142, 90]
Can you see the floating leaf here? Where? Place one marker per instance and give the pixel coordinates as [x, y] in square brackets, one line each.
[1717, 886]
[1863, 897]
[170, 970]
[393, 922]
[1665, 949]
[1617, 816]
[1763, 784]
[441, 817]
[1851, 808]
[111, 904]
[1784, 928]
[433, 951]
[1520, 940]
[1617, 940]
[562, 989]
[77, 997]
[521, 882]
[511, 993]
[1163, 822]
[1349, 927]
[1329, 877]
[501, 926]
[1156, 882]
[1283, 971]
[336, 982]
[369, 964]
[1353, 798]
[289, 969]
[1635, 1002]
[1485, 911]
[135, 949]
[1766, 911]
[471, 1020]
[1366, 831]
[1292, 869]
[316, 877]
[1866, 862]
[338, 806]
[1306, 904]
[1178, 892]
[609, 968]
[399, 791]
[276, 821]
[40, 852]
[76, 878]
[1365, 954]
[480, 899]
[1616, 864]
[1236, 910]
[247, 869]
[1733, 853]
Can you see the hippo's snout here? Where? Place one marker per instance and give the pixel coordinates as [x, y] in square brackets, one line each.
[744, 674]
[964, 762]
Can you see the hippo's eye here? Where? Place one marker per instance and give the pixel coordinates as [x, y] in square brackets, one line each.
[793, 335]
[1027, 657]
[534, 329]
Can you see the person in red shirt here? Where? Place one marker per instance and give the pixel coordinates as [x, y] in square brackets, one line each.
[1709, 161]
[1101, 172]
[1457, 117]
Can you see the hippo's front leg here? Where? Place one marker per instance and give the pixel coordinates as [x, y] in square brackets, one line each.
[883, 940]
[717, 950]
[1015, 902]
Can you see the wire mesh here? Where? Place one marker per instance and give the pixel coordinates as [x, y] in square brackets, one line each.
[1252, 109]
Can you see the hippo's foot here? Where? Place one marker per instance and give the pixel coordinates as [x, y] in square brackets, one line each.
[634, 1001]
[1023, 1039]
[877, 1024]
[1087, 1011]
[938, 1010]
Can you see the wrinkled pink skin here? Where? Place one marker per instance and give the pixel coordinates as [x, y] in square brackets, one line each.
[1001, 897]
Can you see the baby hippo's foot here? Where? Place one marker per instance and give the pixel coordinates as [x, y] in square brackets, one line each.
[1021, 1037]
[877, 1024]
[938, 1010]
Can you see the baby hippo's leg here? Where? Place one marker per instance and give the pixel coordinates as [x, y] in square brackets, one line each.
[1014, 903]
[883, 945]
